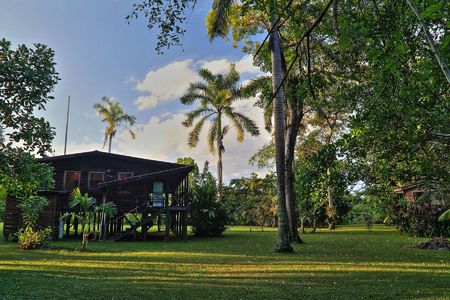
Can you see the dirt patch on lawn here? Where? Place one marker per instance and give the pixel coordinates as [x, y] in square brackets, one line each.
[440, 244]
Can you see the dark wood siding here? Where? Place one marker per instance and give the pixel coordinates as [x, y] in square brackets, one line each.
[49, 218]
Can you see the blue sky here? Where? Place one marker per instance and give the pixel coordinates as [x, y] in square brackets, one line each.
[98, 54]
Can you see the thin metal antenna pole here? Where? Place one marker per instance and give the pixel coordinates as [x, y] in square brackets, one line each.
[67, 125]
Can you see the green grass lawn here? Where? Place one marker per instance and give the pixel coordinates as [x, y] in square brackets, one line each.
[348, 263]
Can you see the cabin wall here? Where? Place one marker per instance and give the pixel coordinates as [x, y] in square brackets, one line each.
[49, 218]
[111, 167]
[13, 218]
[411, 194]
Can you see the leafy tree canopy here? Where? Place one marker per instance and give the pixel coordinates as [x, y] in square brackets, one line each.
[27, 77]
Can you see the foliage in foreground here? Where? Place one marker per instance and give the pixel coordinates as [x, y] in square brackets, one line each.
[27, 77]
[420, 219]
[32, 237]
[348, 263]
[208, 215]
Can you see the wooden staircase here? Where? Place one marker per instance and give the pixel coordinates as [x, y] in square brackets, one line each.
[146, 221]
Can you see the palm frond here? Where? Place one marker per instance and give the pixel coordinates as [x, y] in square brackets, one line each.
[225, 130]
[218, 19]
[194, 135]
[196, 91]
[268, 118]
[109, 208]
[133, 135]
[255, 86]
[445, 216]
[212, 136]
[208, 76]
[193, 115]
[231, 78]
[125, 118]
[242, 124]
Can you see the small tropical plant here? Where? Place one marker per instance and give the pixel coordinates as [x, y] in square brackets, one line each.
[30, 237]
[88, 208]
[34, 239]
[208, 214]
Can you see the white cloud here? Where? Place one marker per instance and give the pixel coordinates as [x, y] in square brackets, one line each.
[243, 66]
[216, 66]
[171, 82]
[165, 84]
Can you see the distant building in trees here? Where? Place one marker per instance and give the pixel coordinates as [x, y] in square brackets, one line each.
[412, 192]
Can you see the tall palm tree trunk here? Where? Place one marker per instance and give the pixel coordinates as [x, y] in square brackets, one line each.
[219, 155]
[109, 145]
[283, 241]
[219, 168]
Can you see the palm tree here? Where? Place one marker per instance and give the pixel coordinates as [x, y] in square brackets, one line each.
[216, 94]
[217, 23]
[115, 117]
[283, 237]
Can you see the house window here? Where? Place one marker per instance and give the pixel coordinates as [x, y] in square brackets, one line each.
[124, 189]
[71, 180]
[95, 178]
[158, 198]
[124, 175]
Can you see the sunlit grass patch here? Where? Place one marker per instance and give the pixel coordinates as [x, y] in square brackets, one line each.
[348, 263]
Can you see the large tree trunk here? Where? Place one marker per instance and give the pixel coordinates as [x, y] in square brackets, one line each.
[283, 241]
[295, 117]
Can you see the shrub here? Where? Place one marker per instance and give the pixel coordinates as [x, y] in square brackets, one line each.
[31, 237]
[34, 239]
[208, 215]
[420, 219]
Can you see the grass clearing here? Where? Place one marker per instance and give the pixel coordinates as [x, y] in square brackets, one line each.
[348, 263]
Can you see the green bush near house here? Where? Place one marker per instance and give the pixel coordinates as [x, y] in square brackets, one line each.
[208, 215]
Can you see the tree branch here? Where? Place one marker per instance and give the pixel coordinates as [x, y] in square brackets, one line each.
[307, 33]
[431, 41]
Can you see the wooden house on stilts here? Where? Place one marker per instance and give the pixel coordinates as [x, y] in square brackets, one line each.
[145, 193]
